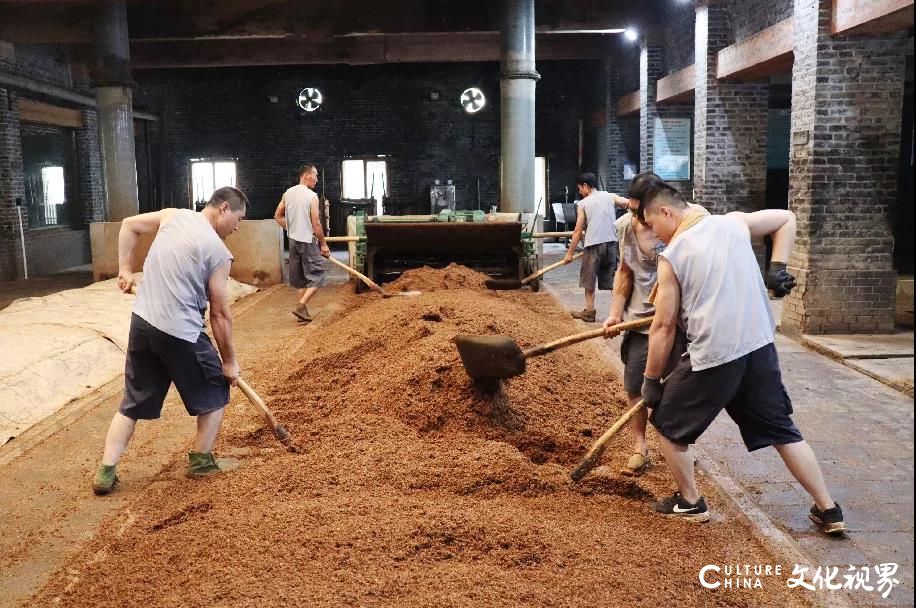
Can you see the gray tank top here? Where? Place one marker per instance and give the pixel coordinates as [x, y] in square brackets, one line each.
[644, 268]
[173, 295]
[725, 309]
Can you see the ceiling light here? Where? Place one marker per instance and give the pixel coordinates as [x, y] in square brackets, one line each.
[630, 34]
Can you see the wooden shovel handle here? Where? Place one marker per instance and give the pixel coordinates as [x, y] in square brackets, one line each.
[597, 450]
[545, 269]
[343, 239]
[259, 403]
[543, 349]
[372, 284]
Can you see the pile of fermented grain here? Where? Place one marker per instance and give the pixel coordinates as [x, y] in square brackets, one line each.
[413, 489]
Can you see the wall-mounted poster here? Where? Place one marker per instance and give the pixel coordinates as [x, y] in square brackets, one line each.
[672, 148]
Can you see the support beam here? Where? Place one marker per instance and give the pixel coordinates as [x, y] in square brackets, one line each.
[677, 86]
[628, 105]
[361, 50]
[765, 53]
[46, 114]
[871, 16]
[22, 83]
[517, 80]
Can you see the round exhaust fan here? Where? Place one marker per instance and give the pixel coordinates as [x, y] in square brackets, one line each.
[309, 99]
[473, 100]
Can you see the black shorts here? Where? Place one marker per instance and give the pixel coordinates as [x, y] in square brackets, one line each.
[155, 359]
[634, 352]
[634, 349]
[306, 265]
[599, 265]
[750, 389]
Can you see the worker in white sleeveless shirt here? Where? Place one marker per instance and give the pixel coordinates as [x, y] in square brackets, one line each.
[187, 266]
[595, 217]
[710, 284]
[298, 213]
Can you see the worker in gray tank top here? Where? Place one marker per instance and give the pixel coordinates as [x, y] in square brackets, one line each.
[595, 216]
[633, 283]
[710, 284]
[187, 266]
[299, 215]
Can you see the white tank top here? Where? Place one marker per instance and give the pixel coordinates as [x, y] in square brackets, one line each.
[599, 216]
[725, 310]
[173, 295]
[299, 213]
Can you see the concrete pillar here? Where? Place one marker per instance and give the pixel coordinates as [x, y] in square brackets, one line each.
[730, 123]
[650, 70]
[847, 106]
[517, 81]
[111, 75]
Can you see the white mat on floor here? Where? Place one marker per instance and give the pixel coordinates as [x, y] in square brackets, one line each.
[57, 348]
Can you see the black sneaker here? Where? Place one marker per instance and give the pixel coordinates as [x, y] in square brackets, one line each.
[830, 521]
[677, 506]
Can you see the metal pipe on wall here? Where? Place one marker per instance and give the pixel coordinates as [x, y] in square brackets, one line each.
[517, 82]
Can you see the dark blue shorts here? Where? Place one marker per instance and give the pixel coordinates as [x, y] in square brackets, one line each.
[156, 359]
[749, 388]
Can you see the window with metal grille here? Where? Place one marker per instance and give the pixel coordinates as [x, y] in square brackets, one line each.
[207, 176]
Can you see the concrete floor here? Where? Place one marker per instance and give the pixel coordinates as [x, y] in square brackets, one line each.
[862, 432]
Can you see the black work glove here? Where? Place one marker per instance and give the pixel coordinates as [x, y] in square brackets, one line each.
[652, 390]
[779, 280]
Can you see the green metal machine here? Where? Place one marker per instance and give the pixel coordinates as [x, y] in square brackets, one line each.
[391, 245]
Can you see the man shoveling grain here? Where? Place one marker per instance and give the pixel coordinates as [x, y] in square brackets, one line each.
[187, 265]
[708, 279]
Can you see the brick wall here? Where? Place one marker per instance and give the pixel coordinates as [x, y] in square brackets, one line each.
[367, 110]
[751, 16]
[847, 98]
[730, 125]
[47, 249]
[679, 25]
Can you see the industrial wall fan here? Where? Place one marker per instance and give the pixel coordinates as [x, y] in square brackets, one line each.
[473, 100]
[309, 99]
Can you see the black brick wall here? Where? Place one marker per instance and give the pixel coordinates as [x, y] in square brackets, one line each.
[367, 110]
[679, 26]
[48, 249]
[750, 16]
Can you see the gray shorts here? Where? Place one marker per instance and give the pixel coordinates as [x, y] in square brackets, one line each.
[633, 352]
[306, 265]
[156, 359]
[599, 265]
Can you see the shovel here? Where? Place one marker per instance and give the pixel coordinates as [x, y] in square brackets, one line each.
[372, 284]
[516, 284]
[490, 358]
[597, 450]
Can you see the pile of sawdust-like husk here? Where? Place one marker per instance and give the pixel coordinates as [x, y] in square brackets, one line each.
[415, 489]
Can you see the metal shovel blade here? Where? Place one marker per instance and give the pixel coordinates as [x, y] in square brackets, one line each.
[490, 357]
[502, 284]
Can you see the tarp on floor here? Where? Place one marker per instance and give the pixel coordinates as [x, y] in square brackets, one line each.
[57, 348]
